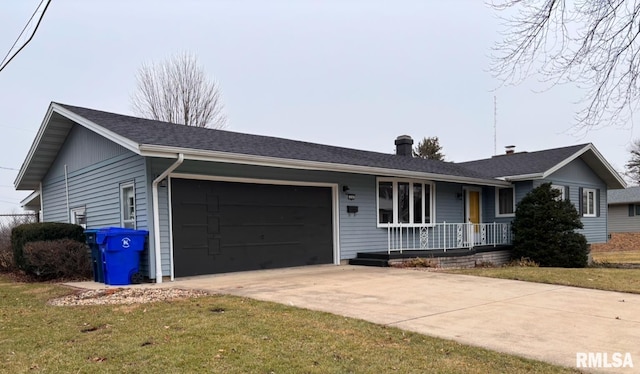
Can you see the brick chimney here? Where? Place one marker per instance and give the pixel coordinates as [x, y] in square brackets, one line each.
[404, 145]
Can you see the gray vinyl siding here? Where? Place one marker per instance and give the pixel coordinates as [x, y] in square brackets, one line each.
[97, 188]
[577, 174]
[449, 202]
[489, 201]
[84, 148]
[357, 232]
[619, 221]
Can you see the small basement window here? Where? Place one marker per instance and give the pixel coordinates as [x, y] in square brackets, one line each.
[79, 216]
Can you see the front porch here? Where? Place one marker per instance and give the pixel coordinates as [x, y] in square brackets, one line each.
[440, 258]
[446, 236]
[446, 244]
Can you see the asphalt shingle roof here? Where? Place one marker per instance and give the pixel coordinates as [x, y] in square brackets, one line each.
[624, 196]
[522, 163]
[151, 132]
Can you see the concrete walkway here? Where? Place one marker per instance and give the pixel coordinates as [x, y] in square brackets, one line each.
[544, 322]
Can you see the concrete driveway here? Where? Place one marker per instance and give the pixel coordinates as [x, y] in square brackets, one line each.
[544, 322]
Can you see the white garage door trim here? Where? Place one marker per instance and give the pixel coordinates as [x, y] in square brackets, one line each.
[335, 204]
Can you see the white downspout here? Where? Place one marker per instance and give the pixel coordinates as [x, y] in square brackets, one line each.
[66, 188]
[156, 215]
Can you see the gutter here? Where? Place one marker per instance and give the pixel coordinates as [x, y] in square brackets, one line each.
[244, 159]
[156, 215]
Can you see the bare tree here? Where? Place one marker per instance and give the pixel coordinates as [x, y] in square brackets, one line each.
[429, 148]
[633, 165]
[593, 43]
[178, 91]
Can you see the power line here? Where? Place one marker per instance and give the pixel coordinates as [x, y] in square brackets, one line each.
[6, 60]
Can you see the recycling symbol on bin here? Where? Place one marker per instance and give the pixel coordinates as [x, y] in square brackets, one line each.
[126, 242]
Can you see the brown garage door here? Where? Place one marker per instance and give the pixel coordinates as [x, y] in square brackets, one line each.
[221, 227]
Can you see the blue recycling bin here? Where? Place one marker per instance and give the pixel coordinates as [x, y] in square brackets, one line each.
[120, 250]
[97, 262]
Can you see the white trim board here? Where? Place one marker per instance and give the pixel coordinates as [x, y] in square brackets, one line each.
[335, 214]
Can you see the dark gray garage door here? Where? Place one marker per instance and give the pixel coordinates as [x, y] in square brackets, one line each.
[221, 227]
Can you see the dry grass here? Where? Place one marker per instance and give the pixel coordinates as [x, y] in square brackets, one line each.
[607, 279]
[618, 257]
[220, 334]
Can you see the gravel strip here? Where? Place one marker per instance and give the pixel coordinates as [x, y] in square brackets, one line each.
[126, 296]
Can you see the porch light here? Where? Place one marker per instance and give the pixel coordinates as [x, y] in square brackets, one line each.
[350, 196]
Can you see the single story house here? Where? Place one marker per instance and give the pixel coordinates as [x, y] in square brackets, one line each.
[624, 210]
[219, 201]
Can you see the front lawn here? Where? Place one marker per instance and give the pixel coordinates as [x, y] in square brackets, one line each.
[608, 279]
[617, 257]
[221, 334]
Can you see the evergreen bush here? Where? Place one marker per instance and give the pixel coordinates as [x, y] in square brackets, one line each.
[544, 230]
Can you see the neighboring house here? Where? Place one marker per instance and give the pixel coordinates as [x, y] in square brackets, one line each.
[624, 210]
[218, 201]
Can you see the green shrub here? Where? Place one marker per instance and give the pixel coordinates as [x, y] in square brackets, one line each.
[41, 231]
[544, 230]
[54, 259]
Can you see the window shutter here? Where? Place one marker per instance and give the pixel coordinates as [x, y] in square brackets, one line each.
[632, 210]
[598, 202]
[566, 193]
[580, 201]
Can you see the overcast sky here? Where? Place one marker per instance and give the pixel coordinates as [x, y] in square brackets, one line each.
[346, 73]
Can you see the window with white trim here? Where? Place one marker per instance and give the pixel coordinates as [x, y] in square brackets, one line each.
[79, 216]
[505, 201]
[128, 205]
[589, 202]
[560, 189]
[404, 202]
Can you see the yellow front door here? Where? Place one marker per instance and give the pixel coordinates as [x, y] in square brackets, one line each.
[473, 206]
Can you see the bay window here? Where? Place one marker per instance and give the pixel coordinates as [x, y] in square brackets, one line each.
[406, 202]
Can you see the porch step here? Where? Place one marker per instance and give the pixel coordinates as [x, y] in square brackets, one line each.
[369, 262]
[373, 255]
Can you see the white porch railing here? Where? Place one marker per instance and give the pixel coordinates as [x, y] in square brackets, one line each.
[447, 236]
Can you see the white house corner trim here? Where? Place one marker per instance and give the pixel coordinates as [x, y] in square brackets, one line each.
[156, 216]
[336, 225]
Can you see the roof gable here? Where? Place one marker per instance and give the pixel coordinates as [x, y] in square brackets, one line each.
[541, 164]
[161, 139]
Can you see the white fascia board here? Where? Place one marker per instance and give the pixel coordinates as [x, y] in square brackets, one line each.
[53, 107]
[601, 159]
[523, 177]
[607, 165]
[214, 156]
[565, 162]
[118, 139]
[34, 146]
[32, 196]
